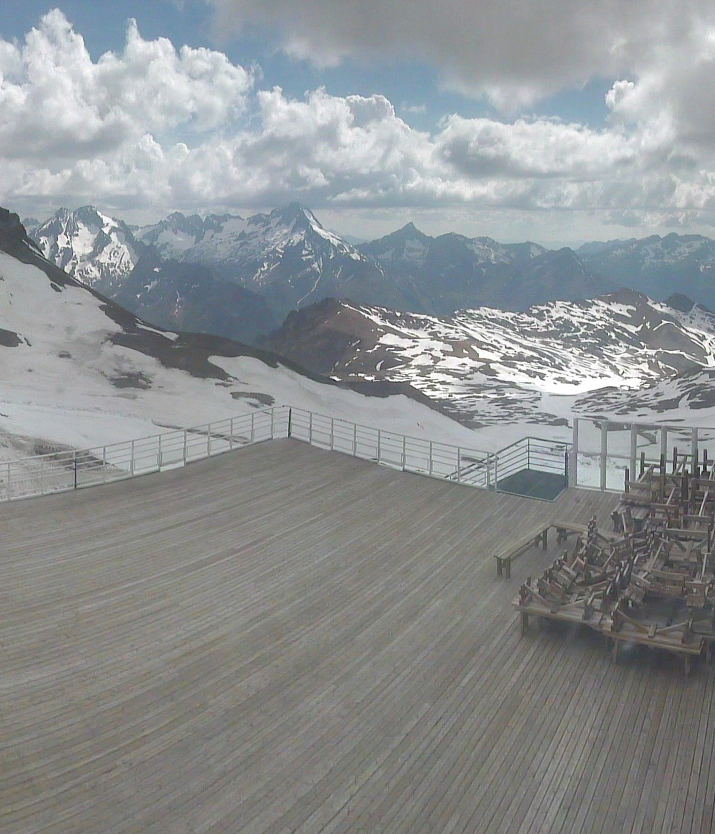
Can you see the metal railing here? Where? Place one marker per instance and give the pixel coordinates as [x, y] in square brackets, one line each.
[59, 471]
[533, 453]
[410, 454]
[66, 470]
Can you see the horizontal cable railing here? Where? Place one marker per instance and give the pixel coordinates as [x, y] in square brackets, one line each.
[66, 470]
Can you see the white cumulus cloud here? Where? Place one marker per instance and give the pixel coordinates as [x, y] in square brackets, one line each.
[56, 103]
[165, 127]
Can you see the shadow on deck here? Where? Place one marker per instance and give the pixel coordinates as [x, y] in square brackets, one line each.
[531, 483]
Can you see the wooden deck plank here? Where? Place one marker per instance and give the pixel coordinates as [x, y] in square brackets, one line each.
[649, 797]
[286, 639]
[694, 784]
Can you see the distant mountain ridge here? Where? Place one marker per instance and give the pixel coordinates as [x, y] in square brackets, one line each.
[657, 265]
[288, 259]
[187, 296]
[452, 272]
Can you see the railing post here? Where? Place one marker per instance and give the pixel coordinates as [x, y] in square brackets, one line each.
[496, 472]
[332, 433]
[74, 463]
[573, 479]
[42, 475]
[159, 459]
[404, 451]
[104, 464]
[273, 414]
[186, 451]
[208, 440]
[566, 466]
[8, 482]
[604, 454]
[695, 454]
[310, 428]
[379, 444]
[253, 426]
[230, 441]
[131, 461]
[290, 421]
[431, 464]
[354, 440]
[489, 470]
[459, 464]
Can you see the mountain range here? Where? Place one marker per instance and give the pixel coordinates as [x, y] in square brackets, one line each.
[78, 370]
[289, 260]
[239, 277]
[441, 275]
[492, 367]
[657, 265]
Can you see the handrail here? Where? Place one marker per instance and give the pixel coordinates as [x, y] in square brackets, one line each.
[58, 471]
[531, 437]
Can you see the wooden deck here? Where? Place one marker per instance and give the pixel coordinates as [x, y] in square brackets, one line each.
[289, 640]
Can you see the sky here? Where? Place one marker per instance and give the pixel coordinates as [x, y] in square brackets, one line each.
[557, 121]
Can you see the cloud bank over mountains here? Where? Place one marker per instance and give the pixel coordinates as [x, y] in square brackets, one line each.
[159, 126]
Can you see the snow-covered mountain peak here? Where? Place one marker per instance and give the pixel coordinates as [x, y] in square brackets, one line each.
[296, 215]
[285, 255]
[292, 224]
[176, 233]
[93, 247]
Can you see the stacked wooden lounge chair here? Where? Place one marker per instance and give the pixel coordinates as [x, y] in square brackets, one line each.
[652, 583]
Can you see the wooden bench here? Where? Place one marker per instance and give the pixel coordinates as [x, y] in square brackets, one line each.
[505, 558]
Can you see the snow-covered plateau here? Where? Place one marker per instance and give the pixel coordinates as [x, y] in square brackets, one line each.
[507, 374]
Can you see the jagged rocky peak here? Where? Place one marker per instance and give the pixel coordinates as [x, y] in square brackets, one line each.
[410, 232]
[91, 246]
[296, 219]
[405, 244]
[177, 232]
[297, 214]
[14, 238]
[10, 224]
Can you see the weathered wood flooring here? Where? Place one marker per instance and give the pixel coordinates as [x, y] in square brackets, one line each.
[289, 640]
